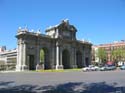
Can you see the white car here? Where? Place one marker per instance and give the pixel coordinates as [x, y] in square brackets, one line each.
[86, 69]
[102, 68]
[91, 68]
[96, 68]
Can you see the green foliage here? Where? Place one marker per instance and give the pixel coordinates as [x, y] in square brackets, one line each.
[42, 56]
[102, 55]
[118, 54]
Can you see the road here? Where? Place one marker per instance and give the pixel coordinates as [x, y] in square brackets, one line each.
[63, 82]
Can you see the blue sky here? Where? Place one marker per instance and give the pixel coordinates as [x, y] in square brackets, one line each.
[100, 21]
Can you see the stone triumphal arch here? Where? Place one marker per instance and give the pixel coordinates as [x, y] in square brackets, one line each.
[61, 48]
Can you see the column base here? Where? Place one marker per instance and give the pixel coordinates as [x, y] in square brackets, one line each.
[21, 67]
[39, 67]
[18, 67]
[59, 67]
[24, 67]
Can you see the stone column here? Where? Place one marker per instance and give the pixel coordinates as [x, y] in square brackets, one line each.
[38, 54]
[60, 57]
[17, 63]
[53, 57]
[19, 57]
[57, 55]
[61, 65]
[90, 56]
[75, 64]
[24, 55]
[38, 58]
[83, 57]
[71, 57]
[18, 47]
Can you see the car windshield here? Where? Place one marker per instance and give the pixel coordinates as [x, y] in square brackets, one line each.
[109, 65]
[91, 65]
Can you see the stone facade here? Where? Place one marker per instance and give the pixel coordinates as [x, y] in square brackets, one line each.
[62, 49]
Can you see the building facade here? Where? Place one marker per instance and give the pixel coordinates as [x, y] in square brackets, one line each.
[9, 56]
[8, 59]
[2, 49]
[109, 48]
[61, 48]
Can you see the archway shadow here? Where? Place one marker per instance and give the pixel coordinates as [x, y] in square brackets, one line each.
[71, 87]
[80, 87]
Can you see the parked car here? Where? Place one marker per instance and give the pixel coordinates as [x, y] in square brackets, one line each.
[96, 68]
[110, 67]
[90, 68]
[102, 68]
[122, 67]
[86, 69]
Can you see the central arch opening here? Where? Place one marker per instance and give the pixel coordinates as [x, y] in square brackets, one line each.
[66, 59]
[79, 59]
[44, 58]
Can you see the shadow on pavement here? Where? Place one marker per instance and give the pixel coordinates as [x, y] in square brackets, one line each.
[71, 87]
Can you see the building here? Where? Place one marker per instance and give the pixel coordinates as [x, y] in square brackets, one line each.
[9, 56]
[2, 49]
[109, 47]
[61, 48]
[8, 59]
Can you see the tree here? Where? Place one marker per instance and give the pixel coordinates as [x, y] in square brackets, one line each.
[101, 53]
[123, 55]
[41, 56]
[114, 55]
[118, 54]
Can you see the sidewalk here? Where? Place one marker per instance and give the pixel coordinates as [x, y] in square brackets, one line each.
[8, 71]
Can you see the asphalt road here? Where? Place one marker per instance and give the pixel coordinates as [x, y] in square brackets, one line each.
[63, 82]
